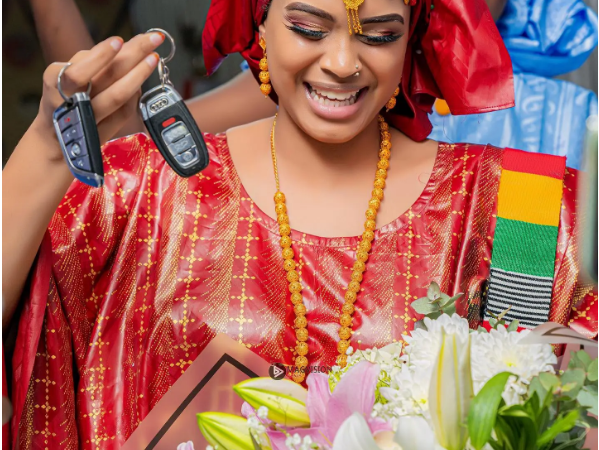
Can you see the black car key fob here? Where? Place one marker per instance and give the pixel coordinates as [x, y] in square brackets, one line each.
[77, 134]
[173, 130]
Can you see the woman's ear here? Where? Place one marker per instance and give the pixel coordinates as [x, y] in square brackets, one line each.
[262, 31]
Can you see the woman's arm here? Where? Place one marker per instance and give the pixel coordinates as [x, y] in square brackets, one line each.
[237, 102]
[61, 29]
[36, 178]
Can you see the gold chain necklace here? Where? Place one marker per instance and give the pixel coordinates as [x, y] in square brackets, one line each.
[362, 253]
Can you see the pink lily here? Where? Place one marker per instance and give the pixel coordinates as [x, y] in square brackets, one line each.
[354, 394]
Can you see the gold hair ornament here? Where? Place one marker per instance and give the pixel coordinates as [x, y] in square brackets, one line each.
[353, 20]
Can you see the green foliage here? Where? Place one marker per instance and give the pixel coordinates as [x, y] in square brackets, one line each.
[555, 415]
[434, 304]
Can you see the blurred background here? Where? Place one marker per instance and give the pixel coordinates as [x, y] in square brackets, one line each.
[23, 62]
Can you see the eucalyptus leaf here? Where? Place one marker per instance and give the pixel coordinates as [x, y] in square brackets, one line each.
[424, 306]
[483, 410]
[571, 443]
[434, 315]
[592, 370]
[537, 386]
[549, 381]
[449, 310]
[481, 329]
[434, 291]
[513, 326]
[580, 359]
[575, 376]
[587, 397]
[587, 421]
[493, 322]
[562, 424]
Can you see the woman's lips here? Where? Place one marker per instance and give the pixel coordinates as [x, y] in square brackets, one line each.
[334, 104]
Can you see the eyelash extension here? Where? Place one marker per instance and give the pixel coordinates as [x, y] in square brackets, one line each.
[305, 32]
[380, 39]
[373, 40]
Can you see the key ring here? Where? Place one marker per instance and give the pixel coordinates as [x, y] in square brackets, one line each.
[59, 85]
[163, 71]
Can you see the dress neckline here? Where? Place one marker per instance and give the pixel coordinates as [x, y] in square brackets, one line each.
[297, 236]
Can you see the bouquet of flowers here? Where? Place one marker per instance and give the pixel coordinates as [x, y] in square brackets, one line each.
[445, 387]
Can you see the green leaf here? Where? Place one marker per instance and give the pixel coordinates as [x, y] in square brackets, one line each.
[503, 313]
[492, 321]
[434, 315]
[537, 386]
[549, 381]
[424, 306]
[571, 443]
[575, 376]
[592, 370]
[580, 359]
[513, 326]
[449, 310]
[481, 329]
[587, 421]
[483, 410]
[434, 291]
[561, 425]
[587, 397]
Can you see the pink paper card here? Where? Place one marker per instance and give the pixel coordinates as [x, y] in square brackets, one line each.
[205, 386]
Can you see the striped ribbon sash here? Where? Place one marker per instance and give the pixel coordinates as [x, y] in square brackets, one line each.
[528, 211]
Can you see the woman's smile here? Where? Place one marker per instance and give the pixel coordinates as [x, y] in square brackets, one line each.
[334, 102]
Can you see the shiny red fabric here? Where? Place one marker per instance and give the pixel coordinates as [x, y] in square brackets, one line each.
[455, 52]
[133, 280]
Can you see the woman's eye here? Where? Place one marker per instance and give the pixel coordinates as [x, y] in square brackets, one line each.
[380, 39]
[306, 32]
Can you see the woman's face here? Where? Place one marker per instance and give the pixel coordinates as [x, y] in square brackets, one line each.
[312, 61]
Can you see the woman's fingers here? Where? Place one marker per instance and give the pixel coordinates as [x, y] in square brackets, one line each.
[87, 64]
[129, 57]
[111, 125]
[121, 91]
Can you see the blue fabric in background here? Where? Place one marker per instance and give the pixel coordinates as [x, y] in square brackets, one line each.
[545, 38]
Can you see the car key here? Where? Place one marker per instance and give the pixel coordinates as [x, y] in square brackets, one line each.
[171, 125]
[77, 134]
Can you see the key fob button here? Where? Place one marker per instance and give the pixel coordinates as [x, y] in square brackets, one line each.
[82, 163]
[70, 118]
[181, 145]
[77, 149]
[188, 157]
[72, 133]
[174, 133]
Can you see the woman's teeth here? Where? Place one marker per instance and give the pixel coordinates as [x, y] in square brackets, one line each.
[332, 98]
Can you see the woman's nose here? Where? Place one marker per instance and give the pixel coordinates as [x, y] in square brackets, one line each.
[340, 58]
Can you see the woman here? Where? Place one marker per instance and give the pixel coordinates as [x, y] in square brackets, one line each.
[132, 281]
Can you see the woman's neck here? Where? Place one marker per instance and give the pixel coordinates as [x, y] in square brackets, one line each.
[297, 149]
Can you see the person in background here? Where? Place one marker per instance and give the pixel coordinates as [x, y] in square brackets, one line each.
[545, 38]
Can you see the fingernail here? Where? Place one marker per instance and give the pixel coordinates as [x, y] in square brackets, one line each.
[156, 38]
[116, 44]
[152, 59]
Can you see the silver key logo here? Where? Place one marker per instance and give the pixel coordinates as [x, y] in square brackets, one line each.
[159, 104]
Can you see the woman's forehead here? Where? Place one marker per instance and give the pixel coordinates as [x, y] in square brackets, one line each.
[337, 8]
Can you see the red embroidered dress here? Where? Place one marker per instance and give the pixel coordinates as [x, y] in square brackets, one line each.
[133, 280]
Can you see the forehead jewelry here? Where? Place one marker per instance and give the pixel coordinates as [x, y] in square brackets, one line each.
[353, 21]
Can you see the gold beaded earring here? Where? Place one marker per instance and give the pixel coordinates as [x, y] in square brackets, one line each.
[264, 76]
[392, 101]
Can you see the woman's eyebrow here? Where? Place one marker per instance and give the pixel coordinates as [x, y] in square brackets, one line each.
[385, 18]
[304, 7]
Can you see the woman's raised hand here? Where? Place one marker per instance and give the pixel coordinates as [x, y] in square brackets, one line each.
[116, 71]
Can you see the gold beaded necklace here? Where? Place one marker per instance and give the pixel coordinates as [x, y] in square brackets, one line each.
[362, 252]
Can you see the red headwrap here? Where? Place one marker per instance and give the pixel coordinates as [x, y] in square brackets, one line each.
[454, 52]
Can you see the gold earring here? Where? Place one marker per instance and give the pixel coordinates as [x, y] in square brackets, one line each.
[264, 76]
[392, 101]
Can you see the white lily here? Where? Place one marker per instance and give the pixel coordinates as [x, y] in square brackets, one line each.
[354, 434]
[225, 431]
[284, 399]
[414, 433]
[451, 392]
